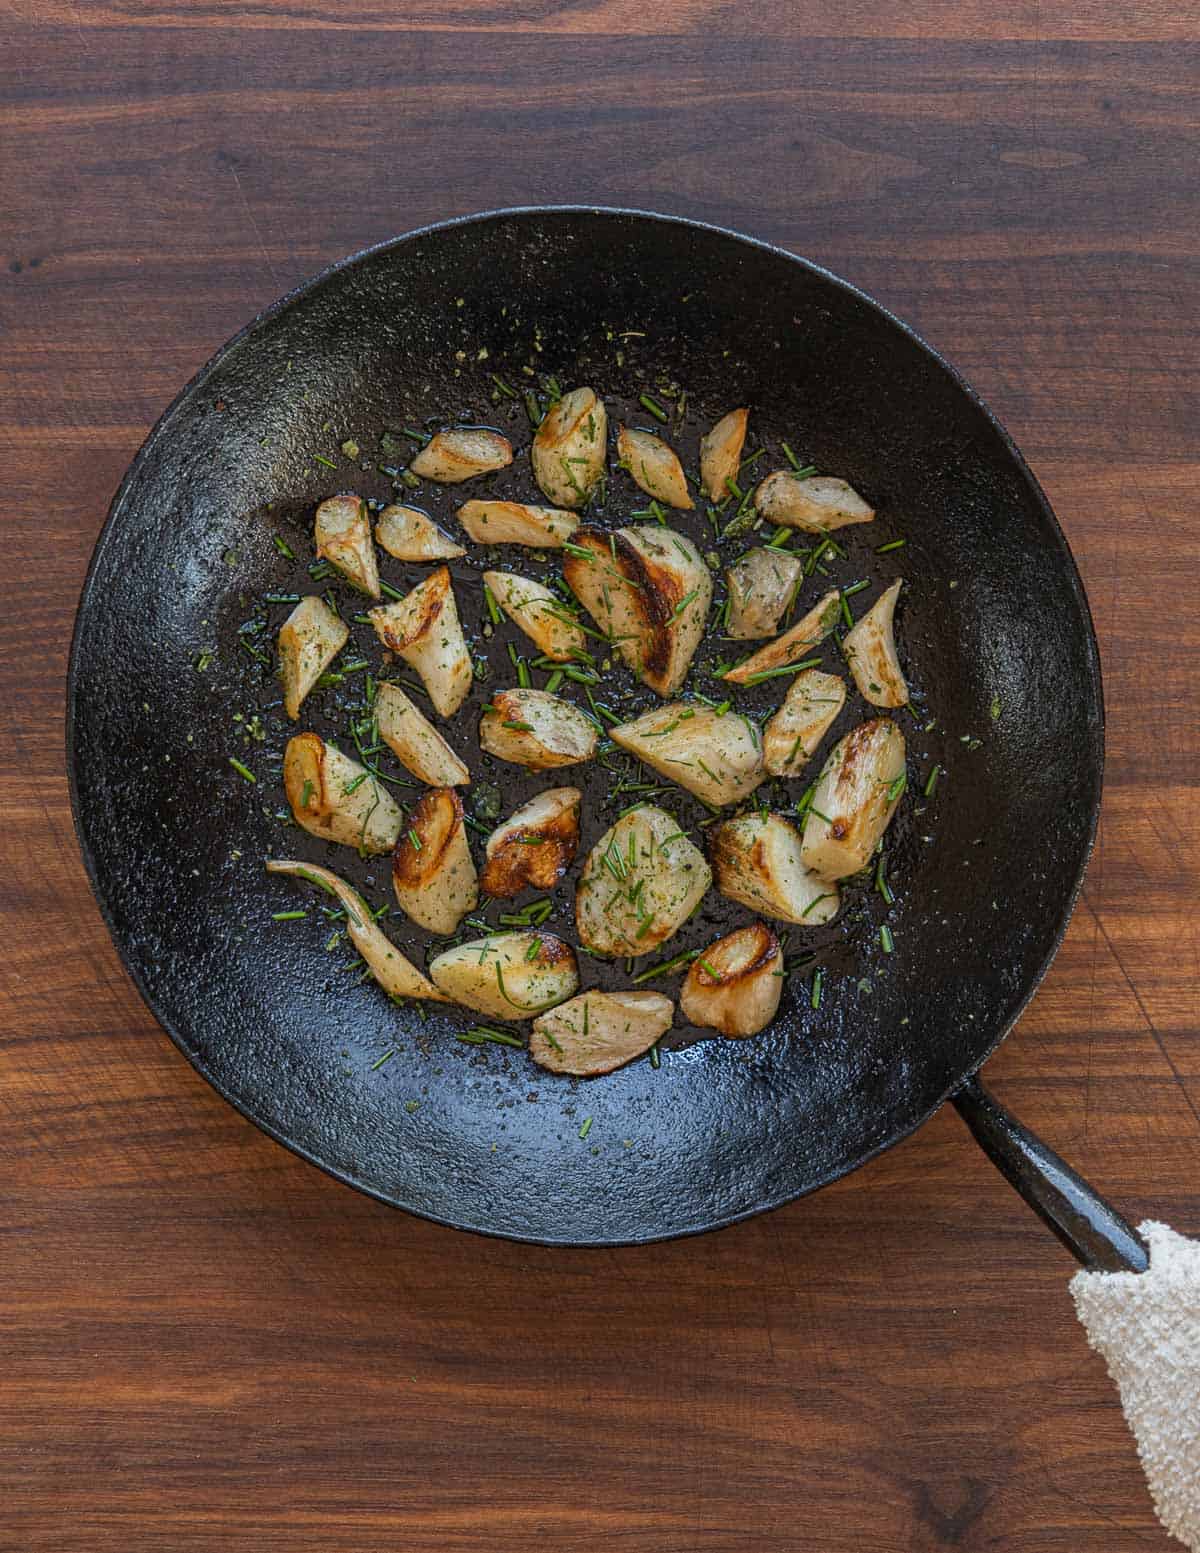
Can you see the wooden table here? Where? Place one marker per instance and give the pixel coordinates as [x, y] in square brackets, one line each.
[205, 1344]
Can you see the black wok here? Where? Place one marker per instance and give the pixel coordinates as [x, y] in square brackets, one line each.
[171, 665]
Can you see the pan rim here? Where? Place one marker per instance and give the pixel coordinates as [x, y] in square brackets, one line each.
[1055, 533]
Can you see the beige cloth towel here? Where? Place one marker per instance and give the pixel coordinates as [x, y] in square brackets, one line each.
[1147, 1327]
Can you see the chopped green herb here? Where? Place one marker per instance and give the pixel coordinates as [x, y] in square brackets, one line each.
[667, 966]
[242, 771]
[818, 983]
[931, 782]
[791, 668]
[655, 409]
[886, 942]
[288, 916]
[328, 462]
[388, 591]
[587, 1123]
[895, 544]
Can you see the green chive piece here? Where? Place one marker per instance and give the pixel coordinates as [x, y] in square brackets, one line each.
[931, 782]
[242, 771]
[818, 983]
[895, 544]
[288, 916]
[586, 1128]
[655, 409]
[388, 591]
[328, 462]
[886, 942]
[283, 547]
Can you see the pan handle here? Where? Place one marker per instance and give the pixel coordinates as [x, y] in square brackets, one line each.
[1088, 1226]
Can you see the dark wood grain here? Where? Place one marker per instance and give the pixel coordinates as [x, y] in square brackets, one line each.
[206, 1344]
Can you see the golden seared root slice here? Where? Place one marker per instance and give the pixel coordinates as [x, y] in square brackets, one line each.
[568, 450]
[333, 797]
[397, 975]
[762, 584]
[716, 755]
[790, 738]
[433, 874]
[791, 646]
[536, 845]
[654, 466]
[509, 975]
[735, 985]
[515, 523]
[412, 535]
[542, 615]
[757, 861]
[599, 1031]
[649, 590]
[309, 640]
[461, 453]
[424, 629]
[721, 453]
[342, 533]
[857, 792]
[415, 742]
[816, 503]
[640, 883]
[535, 729]
[870, 650]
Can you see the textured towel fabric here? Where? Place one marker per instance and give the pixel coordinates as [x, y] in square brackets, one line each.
[1147, 1326]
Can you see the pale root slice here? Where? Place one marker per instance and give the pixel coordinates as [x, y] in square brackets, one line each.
[649, 591]
[541, 614]
[791, 736]
[424, 629]
[870, 650]
[309, 640]
[333, 797]
[516, 523]
[791, 646]
[397, 975]
[415, 742]
[640, 883]
[716, 755]
[433, 873]
[569, 447]
[342, 534]
[735, 985]
[461, 453]
[857, 793]
[412, 535]
[535, 729]
[816, 503]
[508, 975]
[757, 861]
[598, 1032]
[654, 467]
[721, 454]
[536, 845]
[762, 584]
